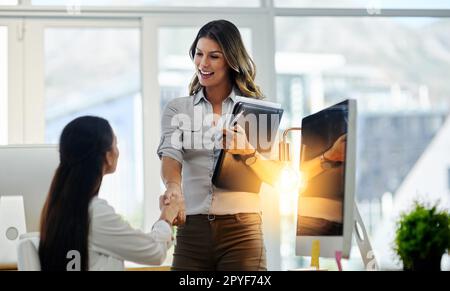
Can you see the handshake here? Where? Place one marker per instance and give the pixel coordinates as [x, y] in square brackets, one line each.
[172, 206]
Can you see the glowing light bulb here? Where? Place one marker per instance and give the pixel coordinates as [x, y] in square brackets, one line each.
[289, 180]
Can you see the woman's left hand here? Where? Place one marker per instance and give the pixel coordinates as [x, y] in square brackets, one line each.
[235, 141]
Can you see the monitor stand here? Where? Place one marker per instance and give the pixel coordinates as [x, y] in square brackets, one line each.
[362, 239]
[365, 248]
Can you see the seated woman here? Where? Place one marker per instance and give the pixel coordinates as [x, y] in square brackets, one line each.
[75, 219]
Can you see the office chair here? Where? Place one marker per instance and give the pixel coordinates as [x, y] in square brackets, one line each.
[27, 253]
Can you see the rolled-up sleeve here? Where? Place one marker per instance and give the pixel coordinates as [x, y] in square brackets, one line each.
[170, 144]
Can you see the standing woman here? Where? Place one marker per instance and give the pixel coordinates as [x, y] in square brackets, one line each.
[217, 229]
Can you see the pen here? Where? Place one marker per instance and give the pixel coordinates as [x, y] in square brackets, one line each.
[236, 118]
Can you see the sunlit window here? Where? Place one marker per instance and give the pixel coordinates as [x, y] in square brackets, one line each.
[98, 73]
[389, 65]
[9, 2]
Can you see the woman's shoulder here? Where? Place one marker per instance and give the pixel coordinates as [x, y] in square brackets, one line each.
[182, 100]
[100, 206]
[179, 104]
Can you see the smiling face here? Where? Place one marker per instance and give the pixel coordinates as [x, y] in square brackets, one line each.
[211, 67]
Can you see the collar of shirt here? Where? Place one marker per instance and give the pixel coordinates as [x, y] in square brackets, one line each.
[200, 95]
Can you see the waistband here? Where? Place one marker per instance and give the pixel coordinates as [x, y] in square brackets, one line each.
[212, 217]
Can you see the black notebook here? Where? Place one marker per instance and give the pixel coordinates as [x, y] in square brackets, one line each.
[261, 120]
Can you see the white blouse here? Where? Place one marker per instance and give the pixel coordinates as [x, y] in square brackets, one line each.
[113, 241]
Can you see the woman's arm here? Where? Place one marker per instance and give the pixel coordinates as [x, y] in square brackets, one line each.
[235, 142]
[111, 235]
[171, 156]
[268, 171]
[170, 171]
[171, 176]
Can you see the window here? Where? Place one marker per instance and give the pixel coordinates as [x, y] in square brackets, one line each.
[175, 66]
[195, 3]
[381, 4]
[3, 85]
[98, 73]
[8, 2]
[402, 109]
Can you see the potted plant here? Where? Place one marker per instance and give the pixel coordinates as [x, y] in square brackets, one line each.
[422, 237]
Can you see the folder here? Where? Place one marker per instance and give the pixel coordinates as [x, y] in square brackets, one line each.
[260, 120]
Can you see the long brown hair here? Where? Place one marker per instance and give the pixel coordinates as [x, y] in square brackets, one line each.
[83, 145]
[242, 67]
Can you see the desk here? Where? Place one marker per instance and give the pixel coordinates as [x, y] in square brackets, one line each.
[8, 268]
[128, 267]
[148, 268]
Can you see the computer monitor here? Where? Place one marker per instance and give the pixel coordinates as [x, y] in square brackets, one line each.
[326, 202]
[27, 171]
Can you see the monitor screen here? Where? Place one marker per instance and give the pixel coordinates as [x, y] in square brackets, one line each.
[327, 196]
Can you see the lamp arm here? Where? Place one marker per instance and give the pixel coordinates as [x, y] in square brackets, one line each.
[286, 131]
[284, 150]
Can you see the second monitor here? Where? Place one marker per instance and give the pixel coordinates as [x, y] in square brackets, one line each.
[27, 171]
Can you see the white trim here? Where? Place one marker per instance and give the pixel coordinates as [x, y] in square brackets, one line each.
[123, 11]
[4, 57]
[267, 8]
[151, 117]
[350, 177]
[264, 57]
[86, 23]
[15, 77]
[33, 83]
[352, 12]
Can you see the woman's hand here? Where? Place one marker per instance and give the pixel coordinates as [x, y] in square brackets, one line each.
[173, 192]
[235, 141]
[170, 211]
[337, 151]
